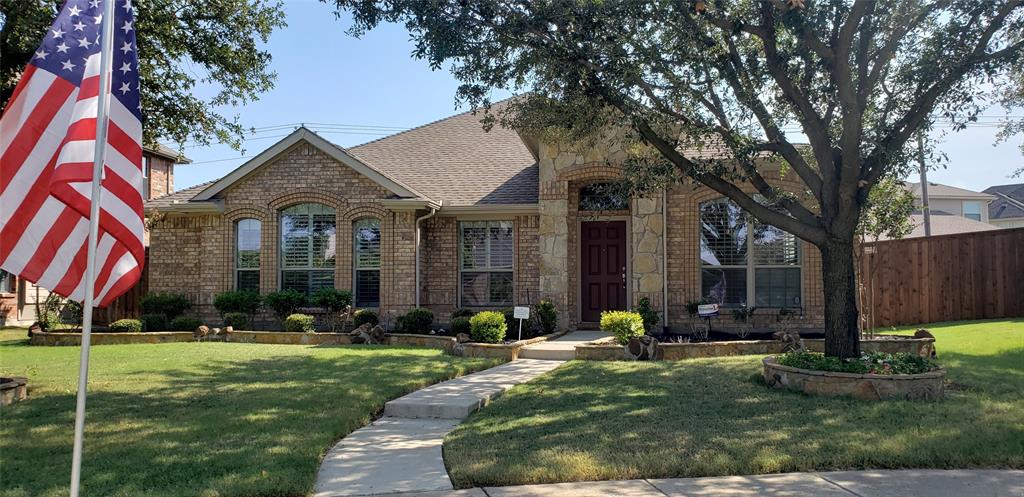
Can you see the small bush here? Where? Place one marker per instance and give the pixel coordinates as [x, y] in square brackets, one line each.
[547, 316]
[154, 322]
[365, 316]
[171, 305]
[873, 363]
[463, 312]
[461, 325]
[244, 301]
[331, 299]
[185, 323]
[512, 324]
[285, 302]
[623, 324]
[49, 320]
[126, 326]
[487, 327]
[72, 313]
[237, 320]
[299, 323]
[416, 321]
[650, 317]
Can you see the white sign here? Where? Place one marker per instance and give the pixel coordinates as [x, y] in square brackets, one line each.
[707, 310]
[521, 312]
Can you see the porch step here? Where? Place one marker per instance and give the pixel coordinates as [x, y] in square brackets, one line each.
[548, 354]
[562, 348]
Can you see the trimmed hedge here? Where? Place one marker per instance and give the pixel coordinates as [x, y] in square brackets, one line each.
[171, 305]
[126, 326]
[185, 323]
[236, 320]
[332, 300]
[547, 316]
[285, 302]
[154, 322]
[461, 325]
[623, 324]
[244, 301]
[364, 316]
[299, 323]
[416, 321]
[487, 327]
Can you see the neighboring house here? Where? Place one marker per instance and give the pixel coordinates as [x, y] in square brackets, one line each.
[955, 201]
[944, 223]
[18, 297]
[1007, 210]
[446, 216]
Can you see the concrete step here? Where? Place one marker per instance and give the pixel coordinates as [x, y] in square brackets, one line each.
[548, 354]
[456, 399]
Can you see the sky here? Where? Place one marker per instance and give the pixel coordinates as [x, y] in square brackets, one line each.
[375, 86]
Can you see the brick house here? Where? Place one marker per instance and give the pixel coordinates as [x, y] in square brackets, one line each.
[447, 215]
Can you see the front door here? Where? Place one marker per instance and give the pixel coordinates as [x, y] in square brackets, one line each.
[602, 268]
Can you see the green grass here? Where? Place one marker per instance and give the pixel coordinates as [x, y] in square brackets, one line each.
[197, 419]
[621, 420]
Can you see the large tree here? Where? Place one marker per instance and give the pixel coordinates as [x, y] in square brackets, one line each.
[185, 47]
[857, 78]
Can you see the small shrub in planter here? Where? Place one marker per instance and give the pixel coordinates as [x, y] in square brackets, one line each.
[547, 316]
[365, 316]
[72, 313]
[332, 300]
[512, 324]
[623, 324]
[171, 305]
[487, 327]
[154, 322]
[463, 312]
[185, 323]
[236, 320]
[49, 320]
[461, 325]
[126, 326]
[243, 301]
[299, 323]
[285, 302]
[650, 317]
[416, 321]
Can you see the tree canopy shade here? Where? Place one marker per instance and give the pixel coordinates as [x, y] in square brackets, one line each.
[857, 78]
[182, 44]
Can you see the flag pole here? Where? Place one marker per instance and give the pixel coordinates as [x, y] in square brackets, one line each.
[102, 116]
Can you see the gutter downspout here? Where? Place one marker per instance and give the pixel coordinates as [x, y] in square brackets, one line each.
[433, 211]
[664, 258]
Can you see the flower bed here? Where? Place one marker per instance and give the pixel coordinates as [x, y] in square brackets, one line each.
[923, 386]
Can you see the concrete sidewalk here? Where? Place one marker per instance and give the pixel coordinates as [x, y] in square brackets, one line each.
[906, 483]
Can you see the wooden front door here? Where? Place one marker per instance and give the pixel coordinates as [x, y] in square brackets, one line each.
[602, 268]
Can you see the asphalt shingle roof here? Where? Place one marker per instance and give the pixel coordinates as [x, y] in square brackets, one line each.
[1009, 202]
[940, 190]
[181, 196]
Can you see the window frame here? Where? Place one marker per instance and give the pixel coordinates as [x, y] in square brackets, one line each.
[751, 266]
[236, 255]
[146, 190]
[981, 208]
[511, 270]
[309, 268]
[356, 268]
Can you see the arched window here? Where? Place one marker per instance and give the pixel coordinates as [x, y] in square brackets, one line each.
[308, 247]
[729, 275]
[247, 254]
[366, 262]
[603, 197]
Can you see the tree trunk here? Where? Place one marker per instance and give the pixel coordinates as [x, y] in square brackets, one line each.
[842, 338]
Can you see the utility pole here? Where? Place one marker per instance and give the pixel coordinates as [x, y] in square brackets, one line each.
[924, 187]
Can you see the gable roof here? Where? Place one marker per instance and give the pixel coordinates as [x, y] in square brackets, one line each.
[176, 199]
[456, 161]
[166, 152]
[1009, 202]
[337, 153]
[944, 223]
[938, 190]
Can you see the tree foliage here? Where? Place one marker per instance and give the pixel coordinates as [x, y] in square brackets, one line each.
[196, 58]
[857, 78]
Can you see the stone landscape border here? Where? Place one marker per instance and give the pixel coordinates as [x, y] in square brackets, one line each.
[892, 344]
[13, 389]
[264, 337]
[507, 351]
[924, 386]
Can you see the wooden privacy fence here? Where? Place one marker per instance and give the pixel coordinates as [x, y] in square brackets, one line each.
[943, 278]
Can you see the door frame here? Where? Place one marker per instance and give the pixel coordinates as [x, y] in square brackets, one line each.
[578, 256]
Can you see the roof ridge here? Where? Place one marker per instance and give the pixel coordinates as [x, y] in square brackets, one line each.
[431, 123]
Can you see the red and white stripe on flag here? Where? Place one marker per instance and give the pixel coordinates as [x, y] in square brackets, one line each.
[47, 142]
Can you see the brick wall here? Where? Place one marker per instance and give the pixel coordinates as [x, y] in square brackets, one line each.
[161, 176]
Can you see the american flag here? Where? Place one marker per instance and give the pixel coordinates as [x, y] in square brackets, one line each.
[47, 140]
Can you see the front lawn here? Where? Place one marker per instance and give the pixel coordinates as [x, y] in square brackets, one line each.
[198, 419]
[708, 417]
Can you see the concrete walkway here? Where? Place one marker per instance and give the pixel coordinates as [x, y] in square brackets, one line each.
[562, 348]
[908, 483]
[401, 452]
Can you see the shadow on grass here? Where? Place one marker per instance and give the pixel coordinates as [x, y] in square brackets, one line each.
[231, 428]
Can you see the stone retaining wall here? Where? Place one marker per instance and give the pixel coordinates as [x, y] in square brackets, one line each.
[264, 337]
[75, 339]
[508, 351]
[676, 351]
[925, 386]
[13, 389]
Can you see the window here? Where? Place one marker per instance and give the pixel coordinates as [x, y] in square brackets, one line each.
[145, 176]
[6, 282]
[247, 255]
[972, 209]
[366, 262]
[308, 247]
[486, 263]
[603, 197]
[744, 261]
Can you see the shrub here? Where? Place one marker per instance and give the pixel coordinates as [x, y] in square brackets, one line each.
[365, 316]
[461, 324]
[49, 320]
[547, 315]
[512, 324]
[285, 302]
[487, 327]
[623, 324]
[463, 312]
[126, 326]
[299, 323]
[171, 305]
[185, 323]
[236, 320]
[649, 316]
[244, 301]
[873, 363]
[416, 321]
[73, 313]
[331, 299]
[154, 322]
[48, 312]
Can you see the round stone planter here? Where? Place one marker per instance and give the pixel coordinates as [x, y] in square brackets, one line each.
[925, 386]
[13, 389]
